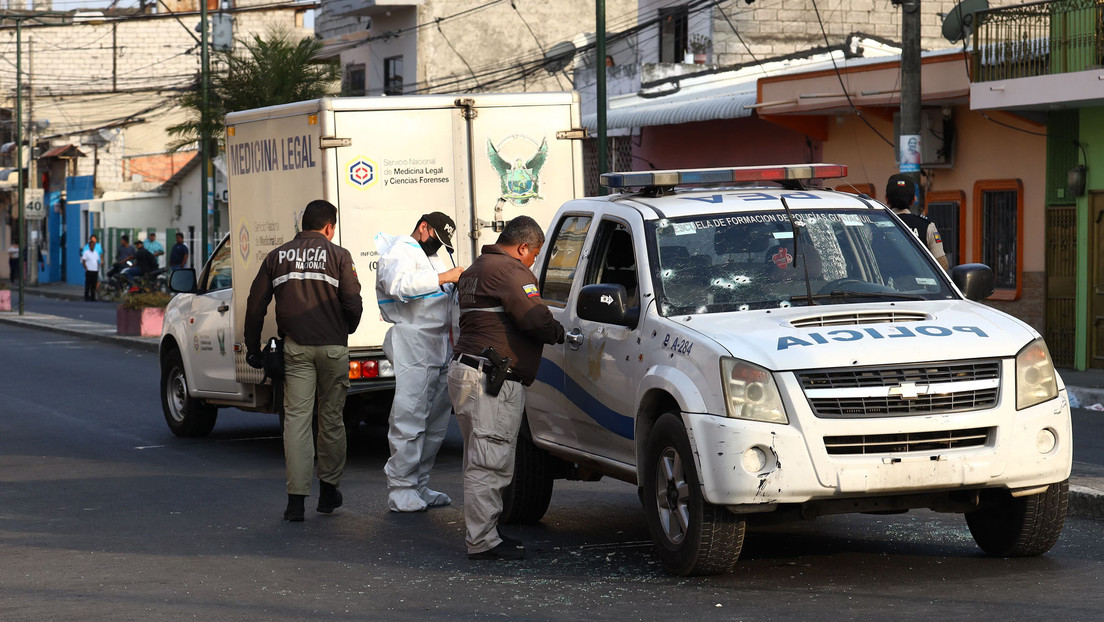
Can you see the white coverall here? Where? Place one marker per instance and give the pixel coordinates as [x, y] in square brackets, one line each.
[419, 345]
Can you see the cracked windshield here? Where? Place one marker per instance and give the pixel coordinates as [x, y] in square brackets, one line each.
[745, 261]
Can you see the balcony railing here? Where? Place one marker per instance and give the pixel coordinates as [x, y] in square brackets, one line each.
[1038, 39]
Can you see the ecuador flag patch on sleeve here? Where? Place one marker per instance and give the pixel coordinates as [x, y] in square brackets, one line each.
[531, 290]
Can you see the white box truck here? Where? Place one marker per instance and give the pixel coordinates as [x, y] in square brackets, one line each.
[383, 161]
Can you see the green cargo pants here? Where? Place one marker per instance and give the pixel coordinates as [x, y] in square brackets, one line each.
[311, 371]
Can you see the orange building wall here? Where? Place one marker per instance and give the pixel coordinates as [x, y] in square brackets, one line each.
[984, 150]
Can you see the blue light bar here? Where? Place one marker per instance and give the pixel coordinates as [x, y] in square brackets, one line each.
[739, 174]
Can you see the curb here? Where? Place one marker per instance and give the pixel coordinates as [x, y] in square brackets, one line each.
[1085, 502]
[88, 330]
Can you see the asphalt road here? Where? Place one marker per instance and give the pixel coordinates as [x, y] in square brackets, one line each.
[104, 515]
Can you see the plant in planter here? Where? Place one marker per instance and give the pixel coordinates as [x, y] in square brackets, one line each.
[142, 313]
[700, 45]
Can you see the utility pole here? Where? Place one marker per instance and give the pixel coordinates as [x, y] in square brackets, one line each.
[600, 66]
[909, 147]
[32, 164]
[19, 156]
[204, 134]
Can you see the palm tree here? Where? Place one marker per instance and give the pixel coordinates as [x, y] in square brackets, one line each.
[270, 70]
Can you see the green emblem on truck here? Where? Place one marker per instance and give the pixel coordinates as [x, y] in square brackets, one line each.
[520, 180]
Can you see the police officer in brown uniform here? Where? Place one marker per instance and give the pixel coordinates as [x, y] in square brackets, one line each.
[901, 194]
[500, 308]
[318, 306]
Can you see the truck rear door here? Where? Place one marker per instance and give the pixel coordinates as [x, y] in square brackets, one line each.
[519, 166]
[401, 163]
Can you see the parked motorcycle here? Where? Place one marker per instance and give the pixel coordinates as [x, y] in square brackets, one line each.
[117, 284]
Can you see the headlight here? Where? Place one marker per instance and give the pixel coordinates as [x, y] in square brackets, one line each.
[750, 392]
[1035, 378]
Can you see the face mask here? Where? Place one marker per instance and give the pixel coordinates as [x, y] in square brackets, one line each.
[431, 245]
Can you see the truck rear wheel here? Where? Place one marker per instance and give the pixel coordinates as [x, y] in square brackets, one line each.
[527, 497]
[185, 415]
[691, 536]
[1006, 526]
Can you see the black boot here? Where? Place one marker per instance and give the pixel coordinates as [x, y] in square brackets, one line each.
[294, 511]
[329, 497]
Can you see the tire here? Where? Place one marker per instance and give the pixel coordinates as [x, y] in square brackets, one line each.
[106, 291]
[691, 536]
[1006, 526]
[527, 497]
[185, 415]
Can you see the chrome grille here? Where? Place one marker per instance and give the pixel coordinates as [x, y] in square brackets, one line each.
[902, 391]
[906, 442]
[865, 317]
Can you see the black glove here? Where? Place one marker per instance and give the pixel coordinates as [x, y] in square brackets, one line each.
[254, 359]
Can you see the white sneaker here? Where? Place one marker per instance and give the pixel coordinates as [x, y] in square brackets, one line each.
[433, 498]
[405, 500]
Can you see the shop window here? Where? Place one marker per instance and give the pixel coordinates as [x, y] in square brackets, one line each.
[945, 209]
[998, 220]
[393, 75]
[673, 33]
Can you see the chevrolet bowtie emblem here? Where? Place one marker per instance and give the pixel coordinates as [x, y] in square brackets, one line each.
[908, 390]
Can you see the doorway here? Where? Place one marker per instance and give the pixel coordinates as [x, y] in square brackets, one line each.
[1096, 281]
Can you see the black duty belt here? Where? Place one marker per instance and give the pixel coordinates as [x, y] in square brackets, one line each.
[480, 363]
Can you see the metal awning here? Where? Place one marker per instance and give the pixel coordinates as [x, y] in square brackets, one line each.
[727, 103]
[9, 177]
[66, 152]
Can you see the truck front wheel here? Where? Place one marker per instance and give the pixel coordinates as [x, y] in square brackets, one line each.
[691, 536]
[1007, 526]
[527, 497]
[185, 415]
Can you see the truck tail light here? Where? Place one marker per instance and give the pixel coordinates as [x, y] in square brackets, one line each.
[363, 369]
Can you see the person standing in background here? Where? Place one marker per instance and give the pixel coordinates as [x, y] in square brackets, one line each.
[90, 259]
[155, 248]
[13, 262]
[178, 257]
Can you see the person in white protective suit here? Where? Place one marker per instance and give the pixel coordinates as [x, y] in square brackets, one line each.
[415, 290]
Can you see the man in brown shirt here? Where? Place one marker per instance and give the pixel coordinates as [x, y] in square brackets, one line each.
[500, 307]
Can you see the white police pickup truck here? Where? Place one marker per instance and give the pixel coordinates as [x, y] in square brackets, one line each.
[736, 351]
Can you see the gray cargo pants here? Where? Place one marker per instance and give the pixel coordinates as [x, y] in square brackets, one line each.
[490, 428]
[311, 371]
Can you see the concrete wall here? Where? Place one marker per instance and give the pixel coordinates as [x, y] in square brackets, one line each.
[482, 50]
[85, 76]
[789, 26]
[979, 145]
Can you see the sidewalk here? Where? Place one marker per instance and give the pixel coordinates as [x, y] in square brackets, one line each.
[1085, 388]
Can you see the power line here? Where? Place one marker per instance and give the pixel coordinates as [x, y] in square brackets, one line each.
[840, 78]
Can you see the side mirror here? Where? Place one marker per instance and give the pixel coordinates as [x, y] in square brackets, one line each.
[974, 279]
[183, 280]
[605, 303]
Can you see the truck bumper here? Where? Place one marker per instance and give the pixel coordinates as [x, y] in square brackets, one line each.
[744, 463]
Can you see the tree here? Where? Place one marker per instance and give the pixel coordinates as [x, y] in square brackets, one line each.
[270, 70]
